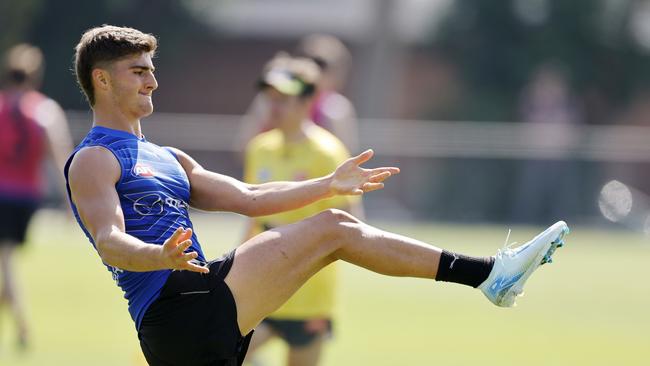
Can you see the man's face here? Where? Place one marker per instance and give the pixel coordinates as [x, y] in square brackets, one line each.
[285, 109]
[132, 83]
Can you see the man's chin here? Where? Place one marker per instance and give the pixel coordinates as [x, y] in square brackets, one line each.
[146, 111]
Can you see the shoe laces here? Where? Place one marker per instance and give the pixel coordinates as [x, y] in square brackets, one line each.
[507, 248]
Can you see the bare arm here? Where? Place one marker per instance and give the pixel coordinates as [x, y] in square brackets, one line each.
[51, 117]
[253, 227]
[92, 177]
[251, 123]
[211, 191]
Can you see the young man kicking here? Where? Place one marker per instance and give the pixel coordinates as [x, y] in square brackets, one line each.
[131, 198]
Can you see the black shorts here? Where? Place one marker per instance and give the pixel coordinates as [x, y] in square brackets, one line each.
[14, 219]
[194, 321]
[300, 333]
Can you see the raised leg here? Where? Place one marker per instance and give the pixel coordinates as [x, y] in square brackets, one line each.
[270, 267]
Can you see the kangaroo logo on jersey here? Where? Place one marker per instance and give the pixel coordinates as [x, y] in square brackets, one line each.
[143, 170]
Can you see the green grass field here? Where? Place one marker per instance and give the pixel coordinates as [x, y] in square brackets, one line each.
[590, 307]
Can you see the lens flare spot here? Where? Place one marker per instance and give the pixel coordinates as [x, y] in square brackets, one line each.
[615, 201]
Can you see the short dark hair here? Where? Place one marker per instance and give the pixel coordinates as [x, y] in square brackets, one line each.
[107, 44]
[24, 64]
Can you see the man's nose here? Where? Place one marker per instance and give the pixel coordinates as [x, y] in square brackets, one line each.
[152, 83]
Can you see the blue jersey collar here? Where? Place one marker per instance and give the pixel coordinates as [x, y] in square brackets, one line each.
[116, 133]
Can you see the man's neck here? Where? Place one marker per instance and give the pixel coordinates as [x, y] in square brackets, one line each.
[296, 132]
[18, 88]
[113, 118]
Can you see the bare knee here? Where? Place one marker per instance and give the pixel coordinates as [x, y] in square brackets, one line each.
[334, 216]
[338, 226]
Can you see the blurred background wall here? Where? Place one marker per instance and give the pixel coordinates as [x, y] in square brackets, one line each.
[500, 111]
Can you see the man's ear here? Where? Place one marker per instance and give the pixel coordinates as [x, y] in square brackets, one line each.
[100, 78]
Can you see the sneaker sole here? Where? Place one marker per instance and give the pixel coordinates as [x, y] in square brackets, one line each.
[544, 256]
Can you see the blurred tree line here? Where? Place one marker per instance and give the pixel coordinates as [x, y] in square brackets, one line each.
[493, 45]
[497, 45]
[56, 27]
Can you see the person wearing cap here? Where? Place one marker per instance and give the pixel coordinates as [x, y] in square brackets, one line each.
[329, 109]
[295, 149]
[31, 126]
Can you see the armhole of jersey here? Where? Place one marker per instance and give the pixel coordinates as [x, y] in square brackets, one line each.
[171, 151]
[66, 168]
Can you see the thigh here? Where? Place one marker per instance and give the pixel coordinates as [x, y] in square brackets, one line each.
[270, 267]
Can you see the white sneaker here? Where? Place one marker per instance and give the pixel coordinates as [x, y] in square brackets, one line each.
[512, 267]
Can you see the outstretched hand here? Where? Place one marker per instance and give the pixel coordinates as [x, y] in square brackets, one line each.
[173, 252]
[351, 179]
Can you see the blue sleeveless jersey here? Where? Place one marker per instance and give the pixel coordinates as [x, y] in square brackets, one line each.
[154, 193]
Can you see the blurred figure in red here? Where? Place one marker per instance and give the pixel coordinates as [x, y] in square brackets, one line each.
[31, 126]
[330, 109]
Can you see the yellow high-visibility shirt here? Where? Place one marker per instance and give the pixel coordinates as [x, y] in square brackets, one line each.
[270, 158]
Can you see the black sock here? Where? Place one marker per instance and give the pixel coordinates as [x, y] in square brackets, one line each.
[458, 268]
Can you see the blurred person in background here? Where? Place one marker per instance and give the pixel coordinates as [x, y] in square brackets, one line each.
[296, 149]
[31, 127]
[330, 109]
[552, 113]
